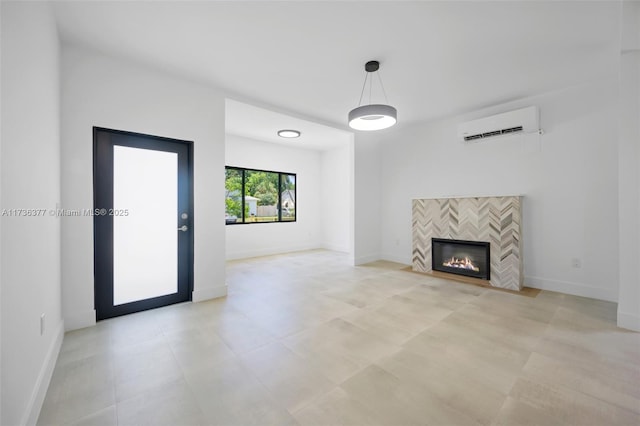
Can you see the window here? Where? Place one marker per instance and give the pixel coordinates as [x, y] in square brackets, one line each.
[259, 196]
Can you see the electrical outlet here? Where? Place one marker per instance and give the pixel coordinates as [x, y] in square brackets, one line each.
[41, 324]
[576, 263]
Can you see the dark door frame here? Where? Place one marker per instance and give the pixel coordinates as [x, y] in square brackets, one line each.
[103, 142]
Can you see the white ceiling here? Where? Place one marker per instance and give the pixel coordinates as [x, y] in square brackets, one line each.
[437, 58]
[261, 124]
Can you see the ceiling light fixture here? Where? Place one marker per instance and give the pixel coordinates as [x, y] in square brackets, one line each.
[288, 133]
[372, 116]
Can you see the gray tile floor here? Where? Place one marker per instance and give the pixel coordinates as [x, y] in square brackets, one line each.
[306, 339]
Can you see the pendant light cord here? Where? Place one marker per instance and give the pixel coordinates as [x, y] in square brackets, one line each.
[364, 85]
[384, 92]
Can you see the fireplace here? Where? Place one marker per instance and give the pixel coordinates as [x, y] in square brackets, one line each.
[470, 258]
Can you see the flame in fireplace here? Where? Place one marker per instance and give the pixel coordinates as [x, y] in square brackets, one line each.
[461, 263]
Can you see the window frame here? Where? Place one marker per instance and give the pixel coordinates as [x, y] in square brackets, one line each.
[243, 171]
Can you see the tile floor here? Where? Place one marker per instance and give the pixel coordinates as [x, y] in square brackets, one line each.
[307, 339]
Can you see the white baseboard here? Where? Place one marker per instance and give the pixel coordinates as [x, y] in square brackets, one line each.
[78, 320]
[44, 378]
[361, 260]
[270, 251]
[577, 289]
[628, 321]
[398, 259]
[209, 293]
[335, 247]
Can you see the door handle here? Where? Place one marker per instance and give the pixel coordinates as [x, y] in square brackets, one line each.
[183, 228]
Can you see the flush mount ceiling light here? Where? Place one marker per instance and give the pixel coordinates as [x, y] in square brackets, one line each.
[288, 133]
[372, 116]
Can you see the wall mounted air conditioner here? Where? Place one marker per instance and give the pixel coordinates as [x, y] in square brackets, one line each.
[524, 120]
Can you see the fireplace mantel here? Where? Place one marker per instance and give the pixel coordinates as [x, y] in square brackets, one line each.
[497, 220]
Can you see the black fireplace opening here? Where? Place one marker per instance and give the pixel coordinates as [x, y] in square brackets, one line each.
[469, 258]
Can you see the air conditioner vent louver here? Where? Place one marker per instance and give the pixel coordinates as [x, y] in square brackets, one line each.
[494, 133]
[521, 120]
[511, 130]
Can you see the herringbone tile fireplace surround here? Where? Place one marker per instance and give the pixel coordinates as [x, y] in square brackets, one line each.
[497, 220]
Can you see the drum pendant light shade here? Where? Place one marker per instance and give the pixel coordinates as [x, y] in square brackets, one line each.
[372, 116]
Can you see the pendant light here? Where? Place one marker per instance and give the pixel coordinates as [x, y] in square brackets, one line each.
[372, 116]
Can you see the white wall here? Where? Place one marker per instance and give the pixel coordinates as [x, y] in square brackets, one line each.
[336, 193]
[270, 238]
[367, 192]
[1, 204]
[106, 92]
[568, 177]
[30, 180]
[629, 165]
